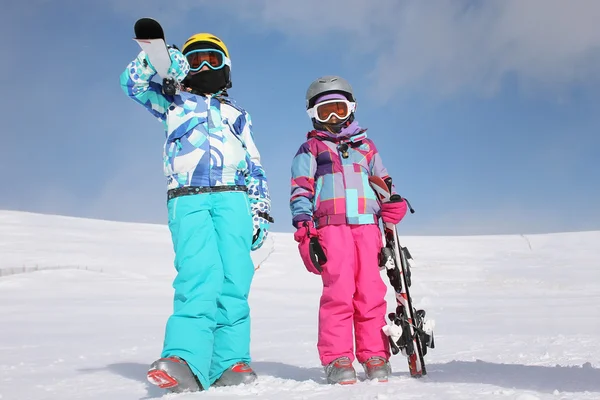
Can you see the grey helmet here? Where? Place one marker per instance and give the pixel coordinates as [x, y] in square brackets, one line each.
[325, 84]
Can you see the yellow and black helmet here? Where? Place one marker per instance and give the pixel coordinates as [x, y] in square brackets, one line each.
[205, 38]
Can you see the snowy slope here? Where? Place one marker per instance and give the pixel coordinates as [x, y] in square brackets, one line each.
[516, 316]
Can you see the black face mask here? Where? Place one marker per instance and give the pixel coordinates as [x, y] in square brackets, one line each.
[207, 82]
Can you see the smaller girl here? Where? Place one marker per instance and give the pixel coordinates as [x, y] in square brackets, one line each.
[332, 201]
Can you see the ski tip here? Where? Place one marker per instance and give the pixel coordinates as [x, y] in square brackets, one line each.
[148, 28]
[380, 188]
[144, 20]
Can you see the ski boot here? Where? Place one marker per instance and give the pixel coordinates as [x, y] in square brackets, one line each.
[340, 371]
[173, 374]
[377, 368]
[238, 374]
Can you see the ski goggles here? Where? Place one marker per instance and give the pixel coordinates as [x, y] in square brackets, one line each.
[339, 108]
[212, 58]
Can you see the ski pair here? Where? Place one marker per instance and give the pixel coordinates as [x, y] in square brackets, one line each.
[408, 331]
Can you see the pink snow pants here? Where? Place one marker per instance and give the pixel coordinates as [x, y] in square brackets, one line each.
[353, 294]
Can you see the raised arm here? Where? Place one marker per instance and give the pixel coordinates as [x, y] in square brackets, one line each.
[136, 82]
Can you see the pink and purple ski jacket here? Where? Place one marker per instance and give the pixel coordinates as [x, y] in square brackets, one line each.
[332, 189]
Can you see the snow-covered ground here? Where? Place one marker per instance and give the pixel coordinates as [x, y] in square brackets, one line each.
[517, 317]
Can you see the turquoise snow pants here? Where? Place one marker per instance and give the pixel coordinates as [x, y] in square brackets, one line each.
[210, 324]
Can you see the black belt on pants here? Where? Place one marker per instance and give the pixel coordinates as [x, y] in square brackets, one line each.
[188, 190]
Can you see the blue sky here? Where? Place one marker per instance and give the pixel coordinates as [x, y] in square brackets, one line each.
[488, 122]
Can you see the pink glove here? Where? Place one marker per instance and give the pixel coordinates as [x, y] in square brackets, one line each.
[305, 228]
[393, 212]
[307, 237]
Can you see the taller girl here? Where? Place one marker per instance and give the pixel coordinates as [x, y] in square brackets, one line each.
[331, 200]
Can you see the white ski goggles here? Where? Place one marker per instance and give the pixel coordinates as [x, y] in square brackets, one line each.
[339, 108]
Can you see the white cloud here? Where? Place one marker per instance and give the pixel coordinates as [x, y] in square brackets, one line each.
[450, 46]
[438, 46]
[546, 43]
[168, 13]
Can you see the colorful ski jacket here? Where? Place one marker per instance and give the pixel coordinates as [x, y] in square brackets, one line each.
[330, 185]
[209, 140]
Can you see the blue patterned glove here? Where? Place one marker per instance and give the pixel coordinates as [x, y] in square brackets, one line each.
[178, 70]
[179, 64]
[261, 221]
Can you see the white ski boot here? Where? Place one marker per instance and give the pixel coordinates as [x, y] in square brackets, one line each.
[238, 374]
[173, 374]
[340, 371]
[377, 368]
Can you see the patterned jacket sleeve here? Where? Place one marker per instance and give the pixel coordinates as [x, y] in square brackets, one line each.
[256, 179]
[304, 167]
[136, 82]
